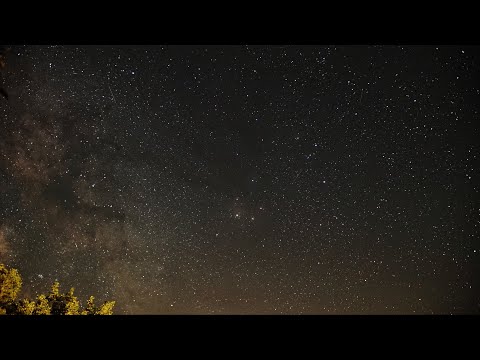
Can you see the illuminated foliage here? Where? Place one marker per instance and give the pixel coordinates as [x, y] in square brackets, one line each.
[10, 284]
[90, 310]
[72, 304]
[26, 307]
[42, 306]
[106, 308]
[54, 292]
[55, 303]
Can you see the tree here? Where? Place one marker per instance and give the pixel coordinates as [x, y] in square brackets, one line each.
[54, 303]
[10, 284]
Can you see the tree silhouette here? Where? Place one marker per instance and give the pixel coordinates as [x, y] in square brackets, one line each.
[54, 303]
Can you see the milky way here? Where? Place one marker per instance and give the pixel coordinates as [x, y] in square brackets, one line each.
[244, 179]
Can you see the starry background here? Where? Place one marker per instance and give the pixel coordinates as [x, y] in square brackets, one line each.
[244, 179]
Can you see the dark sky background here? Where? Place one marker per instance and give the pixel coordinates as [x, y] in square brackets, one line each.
[245, 179]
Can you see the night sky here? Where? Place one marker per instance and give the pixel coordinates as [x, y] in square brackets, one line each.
[244, 179]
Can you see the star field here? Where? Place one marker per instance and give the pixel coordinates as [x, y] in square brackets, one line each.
[245, 179]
